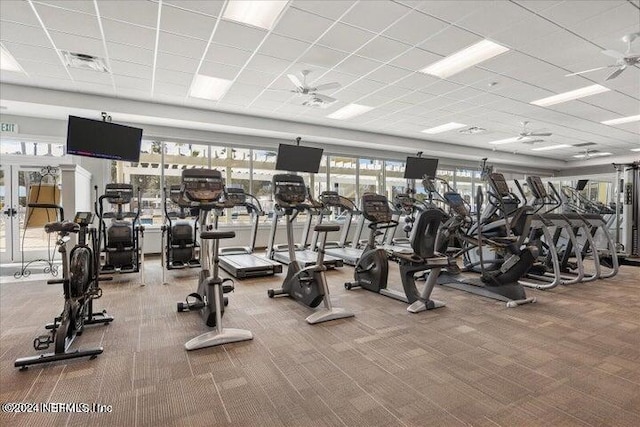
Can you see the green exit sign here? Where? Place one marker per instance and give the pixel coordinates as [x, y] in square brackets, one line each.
[9, 127]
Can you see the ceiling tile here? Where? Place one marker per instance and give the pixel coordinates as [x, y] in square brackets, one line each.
[538, 5]
[388, 74]
[450, 10]
[323, 57]
[237, 35]
[174, 77]
[70, 22]
[19, 12]
[415, 59]
[124, 52]
[521, 33]
[78, 44]
[123, 82]
[301, 25]
[165, 88]
[122, 32]
[417, 81]
[611, 21]
[256, 78]
[221, 71]
[415, 28]
[374, 15]
[180, 45]
[25, 34]
[331, 9]
[346, 38]
[211, 8]
[567, 14]
[382, 49]
[33, 53]
[487, 20]
[137, 12]
[283, 47]
[449, 41]
[179, 21]
[37, 68]
[357, 65]
[130, 69]
[268, 64]
[90, 76]
[365, 86]
[227, 55]
[177, 63]
[617, 102]
[75, 5]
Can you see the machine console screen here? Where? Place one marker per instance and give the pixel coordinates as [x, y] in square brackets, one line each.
[330, 198]
[428, 185]
[202, 185]
[289, 190]
[536, 186]
[375, 208]
[235, 196]
[403, 200]
[118, 194]
[456, 203]
[83, 218]
[499, 184]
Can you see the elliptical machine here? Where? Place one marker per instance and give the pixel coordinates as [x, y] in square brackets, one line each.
[307, 285]
[179, 236]
[80, 282]
[123, 238]
[205, 187]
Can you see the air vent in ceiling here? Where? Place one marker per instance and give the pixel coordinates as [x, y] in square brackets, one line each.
[84, 62]
[584, 144]
[472, 130]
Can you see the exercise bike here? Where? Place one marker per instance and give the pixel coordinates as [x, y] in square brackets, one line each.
[307, 285]
[205, 187]
[81, 286]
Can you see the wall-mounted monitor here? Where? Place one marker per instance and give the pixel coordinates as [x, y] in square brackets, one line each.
[581, 184]
[418, 167]
[294, 158]
[104, 140]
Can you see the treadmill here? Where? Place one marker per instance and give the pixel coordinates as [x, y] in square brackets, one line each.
[240, 261]
[280, 253]
[339, 249]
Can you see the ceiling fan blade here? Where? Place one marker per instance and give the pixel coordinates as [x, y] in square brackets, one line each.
[327, 86]
[540, 134]
[616, 73]
[324, 98]
[295, 80]
[588, 71]
[613, 53]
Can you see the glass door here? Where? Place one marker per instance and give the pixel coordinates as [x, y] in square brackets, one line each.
[7, 216]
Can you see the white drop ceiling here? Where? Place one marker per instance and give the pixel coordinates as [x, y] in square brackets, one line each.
[373, 48]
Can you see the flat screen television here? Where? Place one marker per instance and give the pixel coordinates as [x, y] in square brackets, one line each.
[581, 184]
[294, 158]
[418, 167]
[104, 140]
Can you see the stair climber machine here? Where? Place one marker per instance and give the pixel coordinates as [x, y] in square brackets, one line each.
[372, 271]
[123, 236]
[340, 249]
[240, 261]
[179, 233]
[492, 246]
[305, 284]
[577, 206]
[204, 187]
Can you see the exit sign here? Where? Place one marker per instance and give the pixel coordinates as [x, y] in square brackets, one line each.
[8, 127]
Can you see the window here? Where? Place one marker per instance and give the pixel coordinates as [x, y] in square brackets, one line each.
[342, 177]
[395, 182]
[21, 148]
[370, 176]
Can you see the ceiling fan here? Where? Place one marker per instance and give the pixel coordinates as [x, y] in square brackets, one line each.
[530, 136]
[623, 60]
[316, 99]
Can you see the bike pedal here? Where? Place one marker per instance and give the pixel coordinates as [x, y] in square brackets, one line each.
[42, 342]
[226, 288]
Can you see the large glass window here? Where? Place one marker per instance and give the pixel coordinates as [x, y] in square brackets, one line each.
[370, 176]
[21, 148]
[395, 182]
[342, 176]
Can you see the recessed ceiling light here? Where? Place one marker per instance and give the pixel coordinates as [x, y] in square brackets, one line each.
[508, 140]
[621, 120]
[468, 57]
[551, 147]
[349, 111]
[580, 156]
[207, 87]
[259, 13]
[635, 149]
[8, 62]
[571, 95]
[444, 128]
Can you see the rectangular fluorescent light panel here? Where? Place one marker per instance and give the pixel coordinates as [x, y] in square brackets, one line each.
[571, 95]
[551, 147]
[635, 149]
[206, 87]
[259, 13]
[349, 111]
[464, 59]
[8, 62]
[508, 140]
[580, 156]
[444, 128]
[622, 120]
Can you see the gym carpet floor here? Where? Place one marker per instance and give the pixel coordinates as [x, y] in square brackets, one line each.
[573, 358]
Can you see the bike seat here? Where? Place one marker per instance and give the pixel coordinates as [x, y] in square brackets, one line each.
[61, 227]
[217, 235]
[325, 228]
